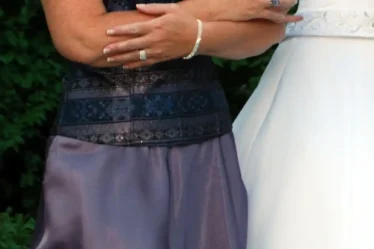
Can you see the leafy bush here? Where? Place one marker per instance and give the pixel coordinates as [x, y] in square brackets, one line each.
[29, 74]
[30, 71]
[15, 231]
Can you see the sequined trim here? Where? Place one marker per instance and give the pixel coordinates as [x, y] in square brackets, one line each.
[157, 133]
[119, 83]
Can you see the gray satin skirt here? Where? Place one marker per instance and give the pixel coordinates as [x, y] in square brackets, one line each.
[109, 197]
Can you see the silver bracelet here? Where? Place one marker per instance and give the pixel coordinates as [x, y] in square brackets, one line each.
[198, 40]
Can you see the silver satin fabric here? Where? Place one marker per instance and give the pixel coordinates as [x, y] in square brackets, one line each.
[111, 197]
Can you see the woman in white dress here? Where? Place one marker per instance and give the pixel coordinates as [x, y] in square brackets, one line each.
[306, 136]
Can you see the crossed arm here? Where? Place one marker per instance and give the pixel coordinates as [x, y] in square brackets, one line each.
[78, 29]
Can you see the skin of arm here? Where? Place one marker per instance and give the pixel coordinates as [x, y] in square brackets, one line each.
[240, 40]
[78, 30]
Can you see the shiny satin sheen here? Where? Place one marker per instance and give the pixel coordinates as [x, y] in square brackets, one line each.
[113, 197]
[305, 138]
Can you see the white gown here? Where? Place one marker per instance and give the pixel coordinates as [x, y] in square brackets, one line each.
[305, 138]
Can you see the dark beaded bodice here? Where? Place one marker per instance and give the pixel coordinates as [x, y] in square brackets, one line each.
[173, 103]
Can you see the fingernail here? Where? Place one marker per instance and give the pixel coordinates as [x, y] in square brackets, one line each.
[141, 5]
[106, 50]
[110, 59]
[110, 31]
[124, 67]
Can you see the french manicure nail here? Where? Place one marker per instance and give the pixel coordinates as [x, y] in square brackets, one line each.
[140, 5]
[106, 50]
[110, 59]
[110, 31]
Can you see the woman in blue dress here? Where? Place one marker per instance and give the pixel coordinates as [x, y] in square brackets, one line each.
[142, 156]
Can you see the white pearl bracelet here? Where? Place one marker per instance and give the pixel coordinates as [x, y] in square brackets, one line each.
[198, 40]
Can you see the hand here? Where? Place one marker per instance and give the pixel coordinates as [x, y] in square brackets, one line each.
[169, 36]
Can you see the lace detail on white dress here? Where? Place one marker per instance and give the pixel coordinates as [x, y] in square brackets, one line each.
[349, 23]
[314, 4]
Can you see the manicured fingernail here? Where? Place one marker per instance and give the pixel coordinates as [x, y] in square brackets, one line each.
[110, 59]
[110, 31]
[106, 50]
[124, 67]
[141, 5]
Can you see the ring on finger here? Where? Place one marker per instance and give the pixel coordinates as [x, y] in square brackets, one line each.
[142, 55]
[274, 3]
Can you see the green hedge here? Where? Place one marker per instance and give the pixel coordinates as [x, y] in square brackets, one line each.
[30, 72]
[15, 230]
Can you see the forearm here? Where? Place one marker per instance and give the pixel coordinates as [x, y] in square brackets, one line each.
[84, 42]
[239, 40]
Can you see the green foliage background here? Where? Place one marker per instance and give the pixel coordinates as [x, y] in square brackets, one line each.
[30, 72]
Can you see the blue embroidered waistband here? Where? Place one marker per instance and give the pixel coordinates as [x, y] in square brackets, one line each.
[154, 108]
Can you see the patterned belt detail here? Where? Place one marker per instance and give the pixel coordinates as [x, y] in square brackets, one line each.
[154, 108]
[342, 23]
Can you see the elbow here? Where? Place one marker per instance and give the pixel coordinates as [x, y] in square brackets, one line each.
[241, 54]
[264, 45]
[77, 50]
[74, 55]
[250, 52]
[77, 53]
[281, 34]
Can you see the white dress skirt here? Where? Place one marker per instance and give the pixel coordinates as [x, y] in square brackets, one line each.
[305, 137]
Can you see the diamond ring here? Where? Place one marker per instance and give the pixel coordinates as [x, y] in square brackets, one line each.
[274, 3]
[142, 55]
